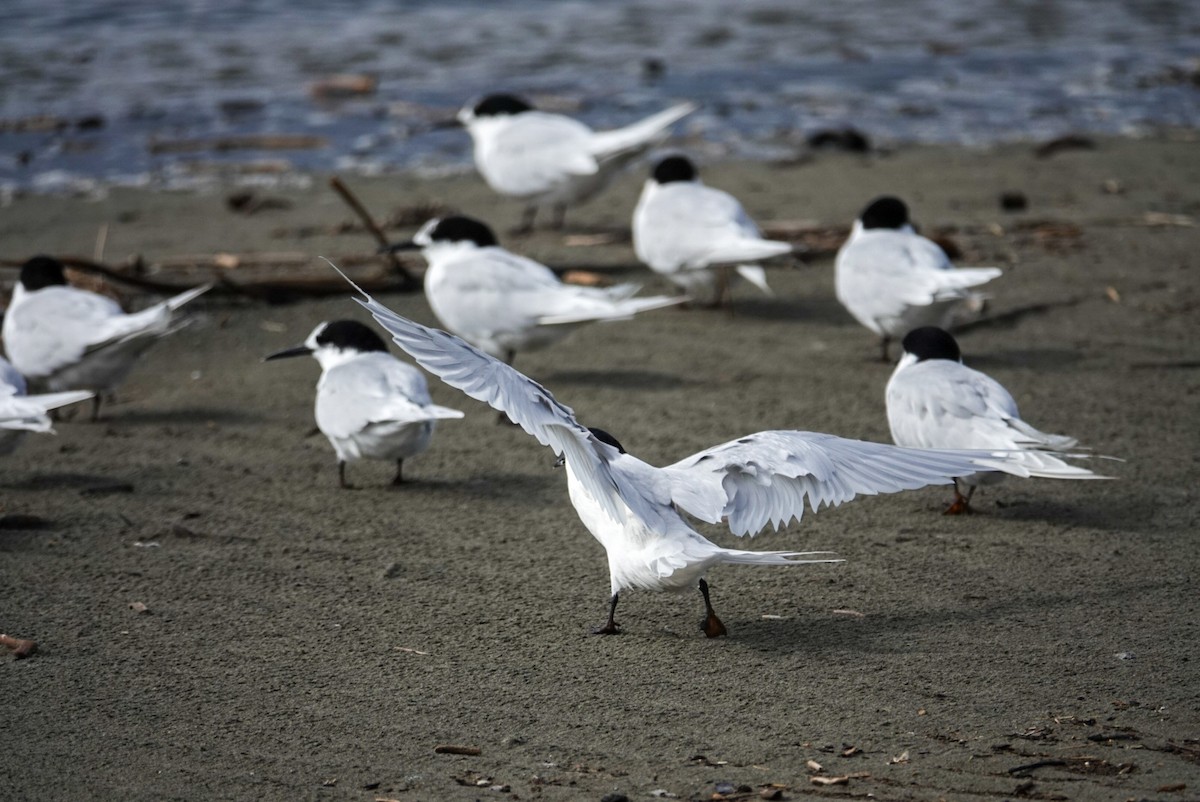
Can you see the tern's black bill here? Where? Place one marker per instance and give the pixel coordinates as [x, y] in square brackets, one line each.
[452, 122]
[407, 245]
[299, 350]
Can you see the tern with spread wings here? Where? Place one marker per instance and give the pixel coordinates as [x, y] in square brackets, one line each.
[635, 509]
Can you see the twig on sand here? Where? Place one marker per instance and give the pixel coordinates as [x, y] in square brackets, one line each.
[353, 202]
[1041, 764]
[21, 647]
[454, 749]
[220, 269]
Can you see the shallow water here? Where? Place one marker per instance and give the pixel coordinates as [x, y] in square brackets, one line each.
[121, 76]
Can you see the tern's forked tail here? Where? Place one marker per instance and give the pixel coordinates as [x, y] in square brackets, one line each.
[741, 557]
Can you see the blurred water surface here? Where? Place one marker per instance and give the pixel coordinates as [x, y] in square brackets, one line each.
[105, 91]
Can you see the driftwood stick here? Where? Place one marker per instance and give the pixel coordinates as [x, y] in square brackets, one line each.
[269, 289]
[353, 202]
[21, 647]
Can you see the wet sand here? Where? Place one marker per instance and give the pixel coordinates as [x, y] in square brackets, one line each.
[306, 642]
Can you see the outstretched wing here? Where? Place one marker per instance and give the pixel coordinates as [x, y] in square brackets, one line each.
[766, 477]
[527, 403]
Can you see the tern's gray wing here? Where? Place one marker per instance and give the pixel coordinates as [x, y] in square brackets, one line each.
[536, 152]
[766, 477]
[908, 268]
[944, 404]
[689, 225]
[11, 380]
[374, 388]
[28, 412]
[527, 403]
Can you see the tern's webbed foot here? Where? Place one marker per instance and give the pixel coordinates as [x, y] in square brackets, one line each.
[960, 506]
[712, 627]
[611, 627]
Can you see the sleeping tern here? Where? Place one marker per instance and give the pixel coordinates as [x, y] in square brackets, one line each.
[696, 235]
[550, 159]
[369, 404]
[893, 280]
[65, 338]
[935, 401]
[505, 303]
[635, 510]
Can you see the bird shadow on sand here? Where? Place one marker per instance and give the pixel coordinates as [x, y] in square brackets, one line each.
[826, 311]
[197, 416]
[1038, 358]
[86, 484]
[876, 633]
[1011, 317]
[625, 379]
[1113, 514]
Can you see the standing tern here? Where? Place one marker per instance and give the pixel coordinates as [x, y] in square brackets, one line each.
[893, 280]
[550, 159]
[369, 404]
[65, 338]
[21, 413]
[634, 509]
[935, 401]
[695, 235]
[504, 303]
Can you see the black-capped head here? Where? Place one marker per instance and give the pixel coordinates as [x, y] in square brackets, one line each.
[329, 339]
[605, 437]
[461, 228]
[930, 342]
[674, 168]
[42, 271]
[499, 104]
[346, 335]
[885, 212]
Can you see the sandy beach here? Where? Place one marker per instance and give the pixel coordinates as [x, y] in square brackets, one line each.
[299, 641]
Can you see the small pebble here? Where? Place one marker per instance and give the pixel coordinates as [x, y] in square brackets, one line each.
[1013, 201]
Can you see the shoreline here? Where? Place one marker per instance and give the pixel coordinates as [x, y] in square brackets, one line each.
[272, 170]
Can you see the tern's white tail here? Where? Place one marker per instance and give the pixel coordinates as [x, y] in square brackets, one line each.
[952, 283]
[434, 412]
[606, 144]
[756, 276]
[589, 305]
[746, 249]
[740, 557]
[49, 401]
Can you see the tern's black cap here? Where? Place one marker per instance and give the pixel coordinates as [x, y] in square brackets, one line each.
[460, 228]
[930, 342]
[500, 103]
[350, 334]
[42, 271]
[605, 437]
[674, 168]
[885, 212]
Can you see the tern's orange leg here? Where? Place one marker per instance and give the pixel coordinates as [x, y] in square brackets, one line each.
[962, 504]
